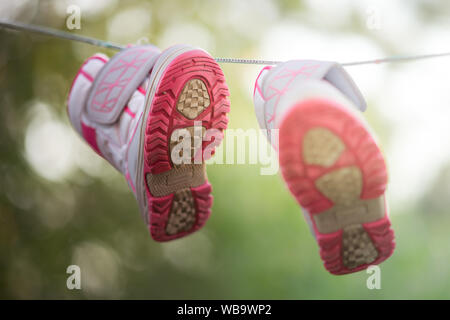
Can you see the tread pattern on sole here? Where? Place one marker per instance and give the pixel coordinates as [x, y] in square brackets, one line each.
[348, 178]
[321, 147]
[303, 179]
[194, 99]
[182, 213]
[180, 177]
[357, 247]
[174, 108]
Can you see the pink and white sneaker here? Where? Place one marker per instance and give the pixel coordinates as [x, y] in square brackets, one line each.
[134, 109]
[329, 160]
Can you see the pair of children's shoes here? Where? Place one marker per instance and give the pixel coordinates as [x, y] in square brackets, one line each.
[157, 116]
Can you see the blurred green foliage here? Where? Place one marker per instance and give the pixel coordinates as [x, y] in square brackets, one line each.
[256, 244]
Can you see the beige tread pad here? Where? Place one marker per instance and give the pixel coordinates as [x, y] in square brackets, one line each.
[361, 211]
[182, 214]
[184, 176]
[193, 99]
[321, 147]
[357, 247]
[342, 186]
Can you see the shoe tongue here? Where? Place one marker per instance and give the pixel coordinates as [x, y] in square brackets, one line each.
[117, 81]
[341, 80]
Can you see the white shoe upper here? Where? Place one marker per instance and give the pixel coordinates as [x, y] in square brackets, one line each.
[112, 133]
[278, 88]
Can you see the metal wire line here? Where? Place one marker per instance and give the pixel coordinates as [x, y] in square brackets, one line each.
[110, 45]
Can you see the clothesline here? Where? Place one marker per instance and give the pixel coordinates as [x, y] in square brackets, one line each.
[110, 45]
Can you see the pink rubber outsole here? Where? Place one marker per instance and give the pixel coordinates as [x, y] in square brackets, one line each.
[361, 151]
[164, 118]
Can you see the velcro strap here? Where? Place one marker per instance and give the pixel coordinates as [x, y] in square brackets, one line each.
[116, 82]
[331, 72]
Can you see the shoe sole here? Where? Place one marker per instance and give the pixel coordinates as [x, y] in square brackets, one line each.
[191, 88]
[337, 173]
